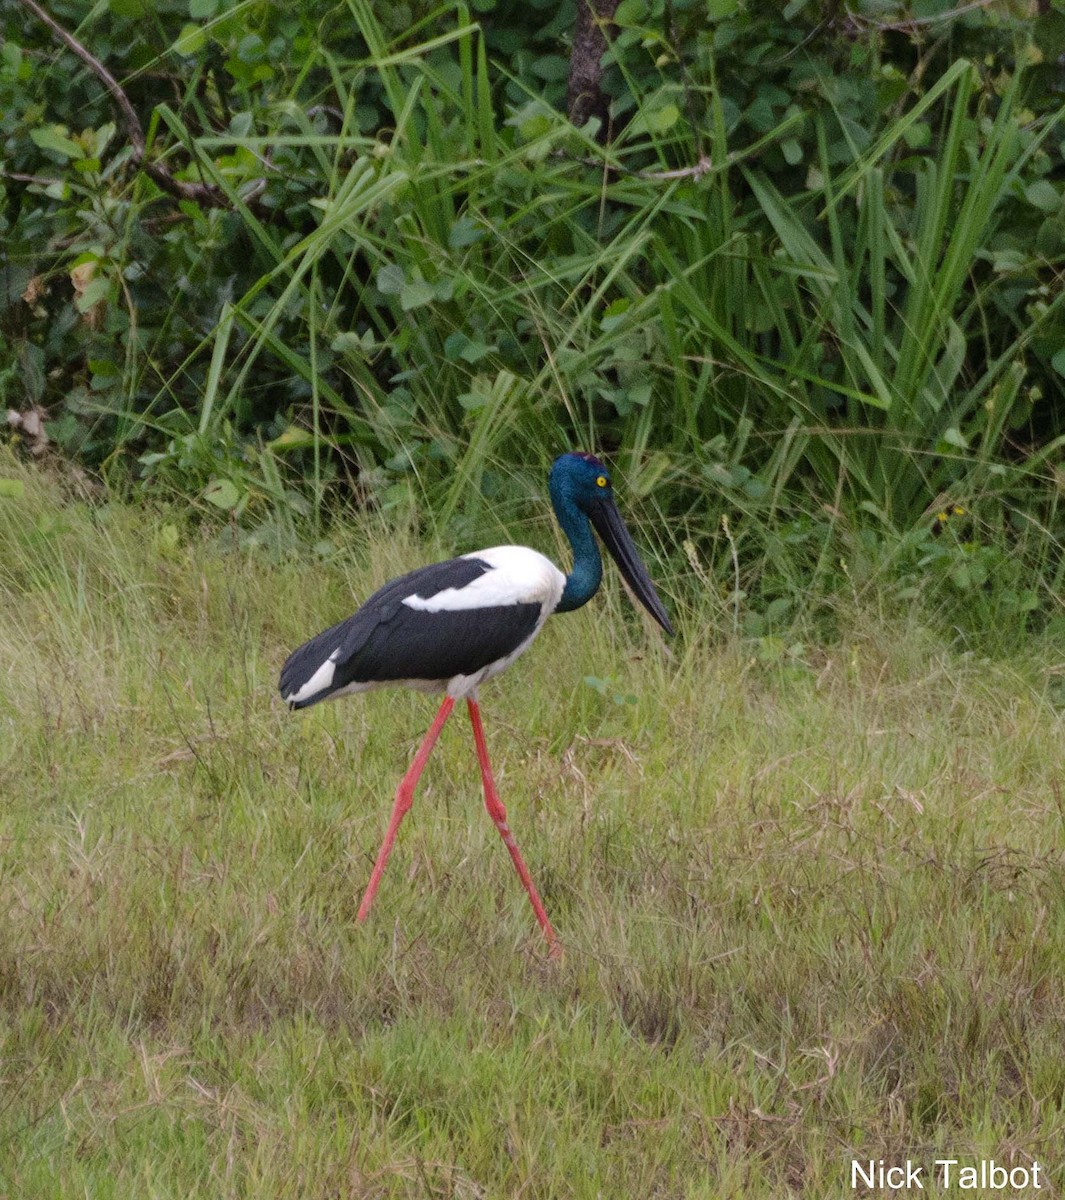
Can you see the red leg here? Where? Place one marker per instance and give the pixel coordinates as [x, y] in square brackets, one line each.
[499, 815]
[404, 798]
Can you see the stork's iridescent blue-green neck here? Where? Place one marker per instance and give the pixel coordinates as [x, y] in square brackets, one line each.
[583, 497]
[576, 481]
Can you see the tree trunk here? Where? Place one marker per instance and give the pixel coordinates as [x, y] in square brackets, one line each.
[584, 95]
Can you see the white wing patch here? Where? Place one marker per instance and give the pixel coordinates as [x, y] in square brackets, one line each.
[518, 576]
[318, 682]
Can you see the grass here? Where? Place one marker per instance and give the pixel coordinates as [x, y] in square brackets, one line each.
[811, 898]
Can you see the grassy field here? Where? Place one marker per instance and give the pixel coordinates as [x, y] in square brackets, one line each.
[811, 898]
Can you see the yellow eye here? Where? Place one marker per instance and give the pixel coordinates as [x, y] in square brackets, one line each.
[601, 481]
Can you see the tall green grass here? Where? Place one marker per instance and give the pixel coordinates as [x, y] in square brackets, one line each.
[823, 369]
[810, 896]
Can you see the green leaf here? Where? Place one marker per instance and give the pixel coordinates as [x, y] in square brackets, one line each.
[1043, 194]
[31, 363]
[656, 120]
[535, 127]
[416, 294]
[102, 138]
[12, 489]
[552, 67]
[202, 10]
[458, 345]
[58, 143]
[631, 12]
[191, 40]
[293, 438]
[167, 539]
[473, 352]
[391, 279]
[96, 291]
[11, 57]
[718, 10]
[464, 233]
[1058, 362]
[222, 493]
[1008, 260]
[918, 136]
[755, 488]
[347, 342]
[251, 49]
[614, 313]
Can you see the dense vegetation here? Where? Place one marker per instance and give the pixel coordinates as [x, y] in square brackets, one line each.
[806, 287]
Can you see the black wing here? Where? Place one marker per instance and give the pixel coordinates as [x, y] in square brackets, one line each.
[388, 641]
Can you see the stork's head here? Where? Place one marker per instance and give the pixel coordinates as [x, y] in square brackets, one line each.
[580, 479]
[580, 483]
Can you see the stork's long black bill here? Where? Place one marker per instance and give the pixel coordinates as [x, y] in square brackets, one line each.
[611, 528]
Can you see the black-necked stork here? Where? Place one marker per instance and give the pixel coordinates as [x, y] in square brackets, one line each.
[450, 626]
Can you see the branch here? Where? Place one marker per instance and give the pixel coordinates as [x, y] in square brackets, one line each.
[198, 193]
[694, 172]
[19, 177]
